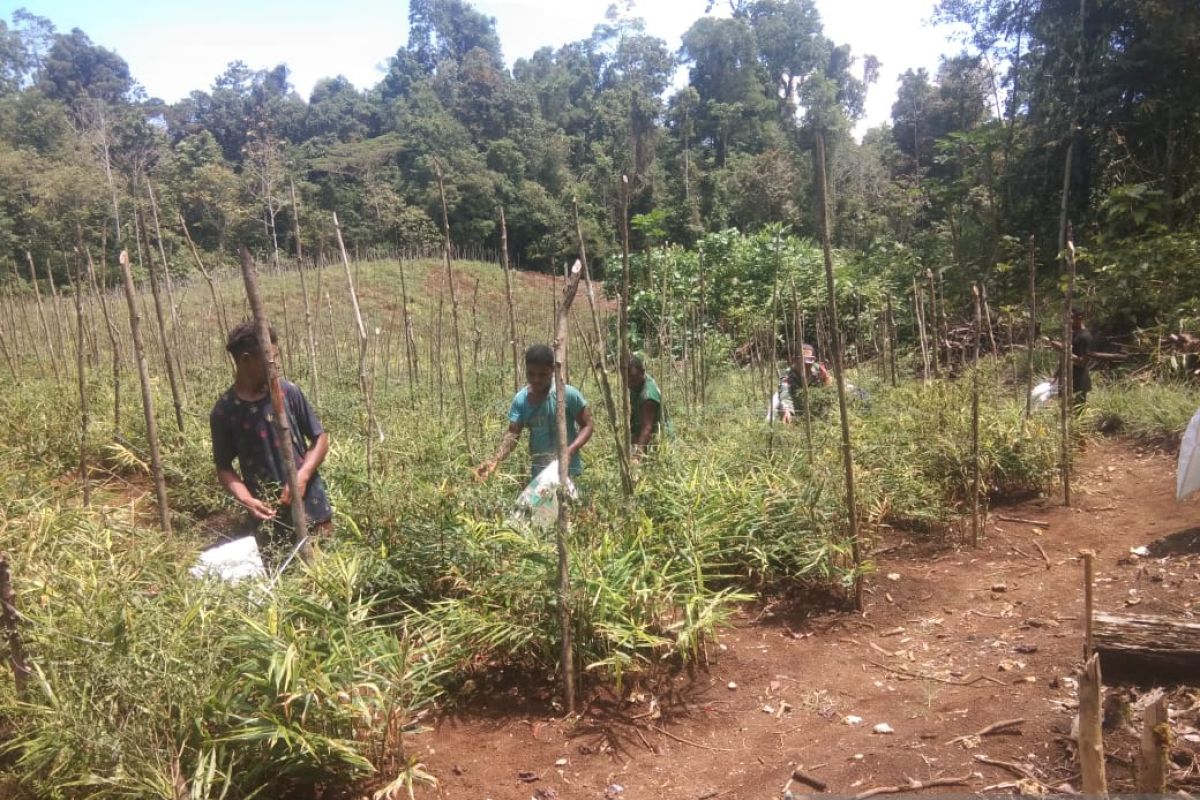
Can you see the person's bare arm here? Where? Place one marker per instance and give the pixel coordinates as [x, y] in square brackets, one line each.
[584, 420]
[641, 437]
[507, 444]
[308, 467]
[234, 484]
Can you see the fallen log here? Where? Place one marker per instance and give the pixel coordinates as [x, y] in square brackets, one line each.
[1147, 647]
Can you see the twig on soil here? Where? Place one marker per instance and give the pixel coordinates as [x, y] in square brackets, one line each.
[1037, 523]
[642, 736]
[1045, 557]
[808, 780]
[924, 676]
[916, 786]
[1015, 769]
[682, 740]
[995, 727]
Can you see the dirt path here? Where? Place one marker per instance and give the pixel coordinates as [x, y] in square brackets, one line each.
[951, 641]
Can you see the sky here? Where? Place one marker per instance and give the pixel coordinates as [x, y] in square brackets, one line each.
[174, 47]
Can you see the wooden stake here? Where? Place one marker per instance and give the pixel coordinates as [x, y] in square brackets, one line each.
[11, 618]
[218, 308]
[1155, 750]
[113, 341]
[890, 324]
[774, 368]
[987, 316]
[976, 522]
[139, 351]
[458, 367]
[847, 454]
[919, 321]
[1066, 384]
[283, 421]
[37, 293]
[563, 527]
[1032, 327]
[615, 426]
[623, 312]
[933, 319]
[803, 377]
[1088, 581]
[512, 317]
[1091, 734]
[163, 339]
[364, 383]
[80, 370]
[310, 335]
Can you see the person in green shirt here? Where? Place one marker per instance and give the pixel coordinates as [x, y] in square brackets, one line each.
[647, 417]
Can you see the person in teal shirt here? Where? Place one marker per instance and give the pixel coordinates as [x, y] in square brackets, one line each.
[534, 407]
[647, 417]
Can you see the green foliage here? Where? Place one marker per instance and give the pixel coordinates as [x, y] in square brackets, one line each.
[1157, 412]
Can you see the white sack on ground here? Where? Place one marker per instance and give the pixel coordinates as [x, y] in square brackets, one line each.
[1187, 477]
[232, 561]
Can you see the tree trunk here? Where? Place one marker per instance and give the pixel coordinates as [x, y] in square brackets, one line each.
[1146, 645]
[139, 353]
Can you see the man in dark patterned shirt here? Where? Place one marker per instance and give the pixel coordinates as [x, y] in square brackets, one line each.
[243, 427]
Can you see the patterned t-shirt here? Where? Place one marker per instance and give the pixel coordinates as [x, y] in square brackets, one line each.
[539, 418]
[245, 430]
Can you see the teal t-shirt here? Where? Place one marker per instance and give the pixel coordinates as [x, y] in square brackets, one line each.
[540, 421]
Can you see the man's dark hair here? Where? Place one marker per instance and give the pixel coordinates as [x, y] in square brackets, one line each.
[243, 338]
[636, 363]
[539, 355]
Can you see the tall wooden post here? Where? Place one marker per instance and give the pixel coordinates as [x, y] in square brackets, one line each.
[37, 293]
[283, 423]
[139, 354]
[1067, 383]
[310, 335]
[1032, 327]
[847, 454]
[163, 338]
[364, 383]
[113, 341]
[623, 311]
[976, 523]
[563, 527]
[512, 317]
[936, 337]
[80, 370]
[462, 385]
[890, 331]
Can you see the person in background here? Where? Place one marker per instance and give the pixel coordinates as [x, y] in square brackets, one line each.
[534, 407]
[647, 417]
[1081, 347]
[791, 386]
[242, 424]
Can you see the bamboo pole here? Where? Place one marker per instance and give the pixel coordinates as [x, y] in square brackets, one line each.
[411, 361]
[364, 384]
[80, 371]
[11, 618]
[310, 335]
[458, 366]
[919, 322]
[774, 368]
[139, 352]
[177, 327]
[976, 522]
[987, 316]
[563, 526]
[8, 357]
[602, 370]
[1067, 381]
[283, 421]
[512, 317]
[164, 341]
[703, 320]
[37, 293]
[847, 454]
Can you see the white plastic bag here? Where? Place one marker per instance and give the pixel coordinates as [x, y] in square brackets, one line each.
[1187, 477]
[232, 561]
[1042, 393]
[538, 502]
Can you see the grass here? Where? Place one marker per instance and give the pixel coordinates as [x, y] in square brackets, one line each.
[152, 683]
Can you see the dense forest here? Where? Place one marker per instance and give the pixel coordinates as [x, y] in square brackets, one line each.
[1054, 112]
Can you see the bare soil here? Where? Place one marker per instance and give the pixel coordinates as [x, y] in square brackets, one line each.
[952, 640]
